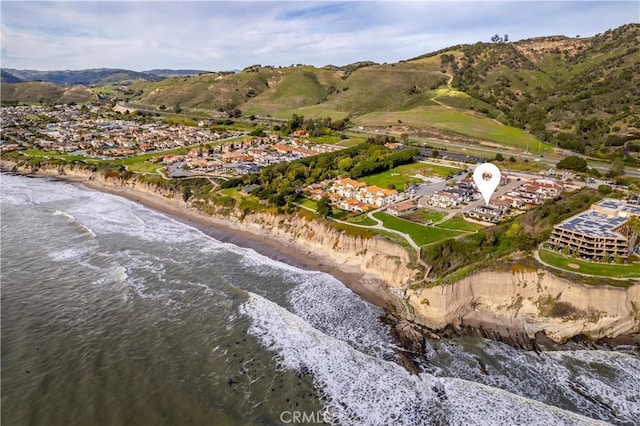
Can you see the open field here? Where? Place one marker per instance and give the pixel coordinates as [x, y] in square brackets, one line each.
[361, 219]
[458, 223]
[314, 111]
[591, 268]
[425, 215]
[57, 155]
[421, 235]
[402, 175]
[459, 122]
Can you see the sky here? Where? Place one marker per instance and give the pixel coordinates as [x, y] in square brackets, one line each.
[228, 35]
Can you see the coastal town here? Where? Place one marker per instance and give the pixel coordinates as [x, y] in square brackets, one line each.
[439, 195]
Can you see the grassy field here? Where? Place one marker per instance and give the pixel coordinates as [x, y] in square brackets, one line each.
[590, 268]
[458, 122]
[425, 215]
[350, 142]
[402, 175]
[310, 204]
[420, 234]
[362, 219]
[57, 155]
[458, 223]
[314, 111]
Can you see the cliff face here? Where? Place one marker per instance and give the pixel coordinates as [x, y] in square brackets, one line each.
[529, 302]
[502, 302]
[375, 257]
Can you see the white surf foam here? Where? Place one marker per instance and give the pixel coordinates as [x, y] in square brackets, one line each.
[327, 305]
[609, 391]
[361, 389]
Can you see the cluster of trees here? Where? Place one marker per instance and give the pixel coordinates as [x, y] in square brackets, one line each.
[279, 183]
[591, 109]
[574, 163]
[524, 232]
[500, 39]
[315, 127]
[579, 164]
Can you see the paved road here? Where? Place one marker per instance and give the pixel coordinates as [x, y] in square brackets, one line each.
[490, 152]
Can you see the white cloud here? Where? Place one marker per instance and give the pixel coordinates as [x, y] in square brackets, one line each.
[225, 35]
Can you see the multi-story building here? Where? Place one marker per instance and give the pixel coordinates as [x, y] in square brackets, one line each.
[598, 233]
[444, 199]
[486, 213]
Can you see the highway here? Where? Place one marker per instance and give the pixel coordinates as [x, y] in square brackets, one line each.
[491, 152]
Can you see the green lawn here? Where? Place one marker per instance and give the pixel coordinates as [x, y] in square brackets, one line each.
[458, 122]
[362, 219]
[57, 155]
[310, 204]
[425, 215]
[458, 223]
[350, 142]
[330, 140]
[420, 234]
[402, 175]
[145, 167]
[590, 268]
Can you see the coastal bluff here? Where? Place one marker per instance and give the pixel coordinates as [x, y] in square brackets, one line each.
[529, 302]
[520, 303]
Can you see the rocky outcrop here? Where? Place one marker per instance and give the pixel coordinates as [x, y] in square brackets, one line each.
[528, 302]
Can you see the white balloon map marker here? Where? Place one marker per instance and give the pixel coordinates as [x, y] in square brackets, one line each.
[486, 177]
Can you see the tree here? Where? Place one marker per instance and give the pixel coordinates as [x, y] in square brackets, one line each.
[234, 113]
[495, 39]
[186, 194]
[499, 157]
[177, 109]
[505, 38]
[435, 154]
[604, 189]
[617, 168]
[324, 207]
[404, 137]
[512, 159]
[345, 164]
[573, 163]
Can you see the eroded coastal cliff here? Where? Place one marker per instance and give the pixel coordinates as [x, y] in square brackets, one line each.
[521, 301]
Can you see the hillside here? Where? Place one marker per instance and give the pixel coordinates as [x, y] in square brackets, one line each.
[42, 92]
[574, 93]
[87, 77]
[7, 77]
[164, 73]
[579, 94]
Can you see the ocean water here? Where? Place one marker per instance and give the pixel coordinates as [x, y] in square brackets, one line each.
[113, 314]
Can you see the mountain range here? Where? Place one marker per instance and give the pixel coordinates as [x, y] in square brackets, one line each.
[575, 93]
[93, 77]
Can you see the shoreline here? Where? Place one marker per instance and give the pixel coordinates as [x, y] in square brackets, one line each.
[406, 331]
[282, 251]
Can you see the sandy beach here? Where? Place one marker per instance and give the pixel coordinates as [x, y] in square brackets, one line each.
[288, 252]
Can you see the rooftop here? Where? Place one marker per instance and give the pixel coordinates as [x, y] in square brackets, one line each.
[618, 206]
[594, 224]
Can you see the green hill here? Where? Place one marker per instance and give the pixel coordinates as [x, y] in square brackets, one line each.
[42, 92]
[575, 93]
[87, 77]
[580, 94]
